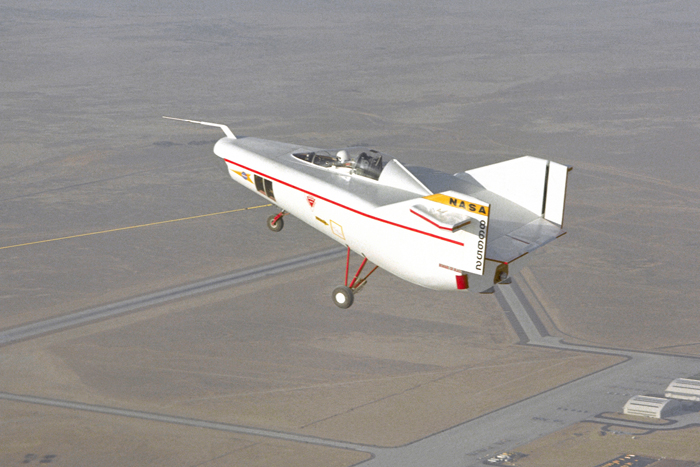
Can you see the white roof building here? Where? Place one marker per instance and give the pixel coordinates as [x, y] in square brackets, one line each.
[684, 389]
[653, 407]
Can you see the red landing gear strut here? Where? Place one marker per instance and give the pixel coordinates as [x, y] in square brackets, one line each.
[275, 223]
[343, 296]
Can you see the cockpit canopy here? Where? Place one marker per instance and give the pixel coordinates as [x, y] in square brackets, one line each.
[361, 161]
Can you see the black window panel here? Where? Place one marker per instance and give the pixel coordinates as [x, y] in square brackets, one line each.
[259, 184]
[268, 189]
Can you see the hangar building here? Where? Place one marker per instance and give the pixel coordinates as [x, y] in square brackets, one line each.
[653, 407]
[684, 389]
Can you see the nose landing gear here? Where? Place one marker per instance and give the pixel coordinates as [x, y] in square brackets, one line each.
[275, 223]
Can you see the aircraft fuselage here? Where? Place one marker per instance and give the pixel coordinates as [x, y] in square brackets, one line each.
[373, 217]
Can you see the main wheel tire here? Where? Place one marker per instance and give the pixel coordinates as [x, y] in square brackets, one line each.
[343, 297]
[275, 226]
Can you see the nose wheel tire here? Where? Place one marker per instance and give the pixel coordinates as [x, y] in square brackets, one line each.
[343, 297]
[273, 225]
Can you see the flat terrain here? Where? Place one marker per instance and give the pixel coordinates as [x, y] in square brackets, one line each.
[609, 88]
[237, 357]
[586, 444]
[66, 437]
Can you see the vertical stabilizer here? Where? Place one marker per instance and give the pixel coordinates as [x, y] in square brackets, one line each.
[556, 193]
[537, 185]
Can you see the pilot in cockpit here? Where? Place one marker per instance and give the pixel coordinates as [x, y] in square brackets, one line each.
[343, 158]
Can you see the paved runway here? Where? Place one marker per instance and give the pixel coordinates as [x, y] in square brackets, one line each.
[611, 88]
[527, 420]
[182, 421]
[465, 444]
[114, 309]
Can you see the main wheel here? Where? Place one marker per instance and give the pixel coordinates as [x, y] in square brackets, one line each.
[275, 226]
[343, 297]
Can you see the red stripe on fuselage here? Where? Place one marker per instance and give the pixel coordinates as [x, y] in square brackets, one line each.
[343, 206]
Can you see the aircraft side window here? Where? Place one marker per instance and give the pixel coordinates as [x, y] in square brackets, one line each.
[268, 189]
[259, 184]
[264, 186]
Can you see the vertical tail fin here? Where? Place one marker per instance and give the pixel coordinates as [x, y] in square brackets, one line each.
[536, 184]
[555, 193]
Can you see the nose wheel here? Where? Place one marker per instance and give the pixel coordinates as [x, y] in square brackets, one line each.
[344, 296]
[275, 223]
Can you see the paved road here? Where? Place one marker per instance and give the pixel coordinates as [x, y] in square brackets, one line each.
[515, 425]
[463, 445]
[507, 428]
[125, 306]
[156, 417]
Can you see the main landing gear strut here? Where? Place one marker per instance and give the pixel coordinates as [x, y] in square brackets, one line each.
[343, 296]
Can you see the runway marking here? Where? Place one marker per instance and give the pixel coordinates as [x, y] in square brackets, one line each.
[193, 422]
[134, 226]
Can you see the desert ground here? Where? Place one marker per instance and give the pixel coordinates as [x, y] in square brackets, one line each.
[91, 173]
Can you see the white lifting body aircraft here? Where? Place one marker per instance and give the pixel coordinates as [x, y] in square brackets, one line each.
[469, 230]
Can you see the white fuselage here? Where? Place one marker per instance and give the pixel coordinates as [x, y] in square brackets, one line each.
[366, 215]
[469, 230]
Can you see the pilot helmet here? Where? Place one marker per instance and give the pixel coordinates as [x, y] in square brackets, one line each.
[343, 156]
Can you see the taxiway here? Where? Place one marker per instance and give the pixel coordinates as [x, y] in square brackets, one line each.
[465, 444]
